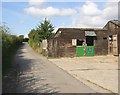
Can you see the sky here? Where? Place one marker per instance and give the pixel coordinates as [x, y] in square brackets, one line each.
[23, 16]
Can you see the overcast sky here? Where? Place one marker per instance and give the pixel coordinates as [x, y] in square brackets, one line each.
[21, 17]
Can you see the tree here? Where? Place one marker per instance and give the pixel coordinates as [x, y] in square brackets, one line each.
[33, 38]
[25, 39]
[21, 37]
[45, 30]
[33, 35]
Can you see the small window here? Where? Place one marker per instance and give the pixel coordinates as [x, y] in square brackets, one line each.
[104, 38]
[74, 42]
[79, 42]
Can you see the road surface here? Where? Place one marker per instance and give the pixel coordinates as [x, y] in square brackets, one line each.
[36, 74]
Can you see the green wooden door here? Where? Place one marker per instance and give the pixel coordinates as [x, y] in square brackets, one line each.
[90, 51]
[80, 51]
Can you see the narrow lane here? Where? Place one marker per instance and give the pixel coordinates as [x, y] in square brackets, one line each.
[38, 75]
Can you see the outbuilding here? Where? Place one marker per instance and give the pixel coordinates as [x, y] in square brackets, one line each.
[71, 42]
[113, 28]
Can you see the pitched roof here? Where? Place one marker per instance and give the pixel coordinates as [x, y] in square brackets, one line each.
[76, 30]
[80, 29]
[117, 22]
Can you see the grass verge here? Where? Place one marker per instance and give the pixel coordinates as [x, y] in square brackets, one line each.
[7, 59]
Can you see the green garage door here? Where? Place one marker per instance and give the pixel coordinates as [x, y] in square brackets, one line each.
[80, 51]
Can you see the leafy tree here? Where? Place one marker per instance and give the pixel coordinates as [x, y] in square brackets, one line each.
[33, 39]
[25, 39]
[21, 37]
[45, 30]
[33, 35]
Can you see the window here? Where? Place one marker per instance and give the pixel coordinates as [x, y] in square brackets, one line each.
[74, 42]
[79, 42]
[104, 38]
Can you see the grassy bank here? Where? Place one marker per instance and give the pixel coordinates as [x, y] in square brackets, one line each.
[8, 58]
[9, 78]
[10, 44]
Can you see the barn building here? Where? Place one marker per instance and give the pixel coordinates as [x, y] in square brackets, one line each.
[113, 28]
[71, 42]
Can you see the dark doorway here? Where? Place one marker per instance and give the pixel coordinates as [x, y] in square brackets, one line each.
[89, 40]
[110, 47]
[79, 42]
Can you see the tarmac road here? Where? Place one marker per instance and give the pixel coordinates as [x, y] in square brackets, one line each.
[36, 74]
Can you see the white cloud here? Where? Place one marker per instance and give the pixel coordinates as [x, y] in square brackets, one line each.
[36, 2]
[38, 9]
[49, 11]
[90, 8]
[92, 16]
[88, 21]
[111, 10]
[89, 15]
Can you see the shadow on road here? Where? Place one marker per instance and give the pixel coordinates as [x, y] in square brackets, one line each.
[30, 78]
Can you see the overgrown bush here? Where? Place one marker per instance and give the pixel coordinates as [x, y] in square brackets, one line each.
[10, 43]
